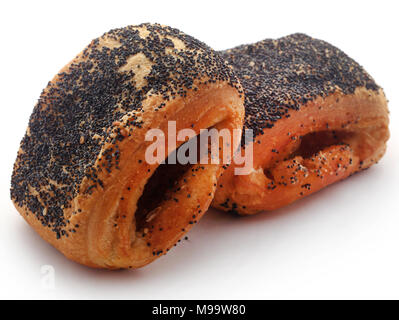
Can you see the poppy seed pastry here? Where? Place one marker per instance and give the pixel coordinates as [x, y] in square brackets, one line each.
[317, 117]
[81, 179]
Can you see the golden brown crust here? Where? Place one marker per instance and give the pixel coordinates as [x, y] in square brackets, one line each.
[81, 172]
[317, 117]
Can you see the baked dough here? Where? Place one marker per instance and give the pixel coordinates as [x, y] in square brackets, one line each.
[317, 118]
[81, 179]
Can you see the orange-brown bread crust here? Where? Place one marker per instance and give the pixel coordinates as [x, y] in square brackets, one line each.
[317, 118]
[81, 179]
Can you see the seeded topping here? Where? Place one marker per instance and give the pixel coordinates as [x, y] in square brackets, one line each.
[76, 113]
[279, 76]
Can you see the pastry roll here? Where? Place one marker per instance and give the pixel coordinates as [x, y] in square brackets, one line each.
[81, 178]
[317, 118]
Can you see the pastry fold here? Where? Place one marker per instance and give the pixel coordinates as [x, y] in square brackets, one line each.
[81, 178]
[317, 118]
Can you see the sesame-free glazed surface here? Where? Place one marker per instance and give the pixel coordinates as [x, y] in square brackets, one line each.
[81, 179]
[316, 115]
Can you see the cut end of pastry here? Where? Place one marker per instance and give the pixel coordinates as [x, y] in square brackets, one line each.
[81, 178]
[169, 198]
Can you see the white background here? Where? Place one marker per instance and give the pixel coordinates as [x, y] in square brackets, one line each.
[342, 242]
